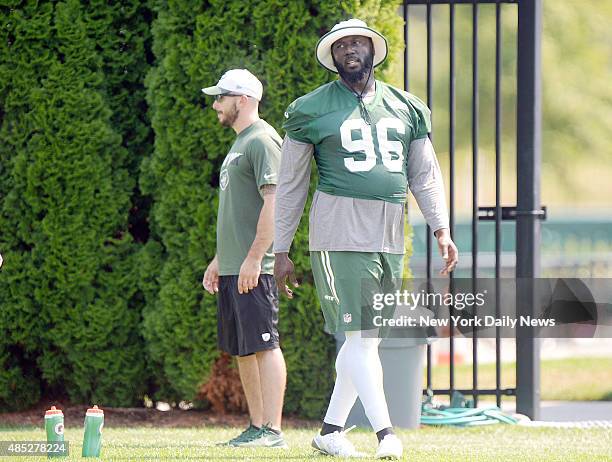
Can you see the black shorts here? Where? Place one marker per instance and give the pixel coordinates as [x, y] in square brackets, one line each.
[247, 323]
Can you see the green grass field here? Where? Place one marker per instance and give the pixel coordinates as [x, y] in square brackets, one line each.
[571, 379]
[567, 379]
[495, 443]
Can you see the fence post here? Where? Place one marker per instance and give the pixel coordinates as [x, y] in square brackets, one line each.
[529, 115]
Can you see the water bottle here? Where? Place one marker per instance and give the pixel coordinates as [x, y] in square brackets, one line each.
[92, 439]
[54, 427]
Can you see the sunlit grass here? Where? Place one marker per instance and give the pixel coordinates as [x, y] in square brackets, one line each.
[499, 442]
[572, 379]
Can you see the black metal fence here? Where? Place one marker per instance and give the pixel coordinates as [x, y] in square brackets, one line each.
[528, 211]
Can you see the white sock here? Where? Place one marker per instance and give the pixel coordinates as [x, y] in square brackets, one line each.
[344, 395]
[359, 372]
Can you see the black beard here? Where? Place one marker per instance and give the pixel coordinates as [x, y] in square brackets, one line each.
[354, 77]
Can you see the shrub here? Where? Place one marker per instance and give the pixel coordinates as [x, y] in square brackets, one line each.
[71, 309]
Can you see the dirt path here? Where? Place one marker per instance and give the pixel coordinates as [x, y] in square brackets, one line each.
[137, 417]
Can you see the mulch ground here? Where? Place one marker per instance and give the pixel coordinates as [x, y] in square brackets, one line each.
[137, 417]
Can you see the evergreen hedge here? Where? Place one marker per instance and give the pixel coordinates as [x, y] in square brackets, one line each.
[71, 309]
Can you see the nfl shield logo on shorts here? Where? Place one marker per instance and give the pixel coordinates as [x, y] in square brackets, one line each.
[265, 336]
[348, 317]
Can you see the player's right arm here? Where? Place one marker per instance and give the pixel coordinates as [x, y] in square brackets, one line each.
[291, 195]
[210, 281]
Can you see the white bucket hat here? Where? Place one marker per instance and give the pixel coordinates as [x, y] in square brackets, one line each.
[344, 29]
[239, 82]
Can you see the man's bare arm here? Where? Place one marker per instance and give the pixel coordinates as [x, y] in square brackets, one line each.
[265, 224]
[251, 266]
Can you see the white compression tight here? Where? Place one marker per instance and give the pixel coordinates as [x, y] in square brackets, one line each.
[358, 373]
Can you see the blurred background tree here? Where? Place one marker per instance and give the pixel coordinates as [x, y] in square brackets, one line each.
[576, 100]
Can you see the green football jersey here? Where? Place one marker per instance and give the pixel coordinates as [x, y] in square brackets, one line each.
[357, 157]
[253, 161]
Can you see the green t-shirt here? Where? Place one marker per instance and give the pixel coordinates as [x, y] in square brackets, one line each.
[253, 161]
[354, 158]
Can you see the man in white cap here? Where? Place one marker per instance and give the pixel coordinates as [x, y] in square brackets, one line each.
[369, 140]
[241, 271]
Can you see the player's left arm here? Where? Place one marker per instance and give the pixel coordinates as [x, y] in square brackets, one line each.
[251, 266]
[425, 183]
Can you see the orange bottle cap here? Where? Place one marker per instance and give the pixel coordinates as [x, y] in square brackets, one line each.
[53, 411]
[95, 410]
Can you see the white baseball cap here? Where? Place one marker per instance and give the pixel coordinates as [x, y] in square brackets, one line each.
[344, 29]
[238, 82]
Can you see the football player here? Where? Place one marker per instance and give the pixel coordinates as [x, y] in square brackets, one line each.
[369, 141]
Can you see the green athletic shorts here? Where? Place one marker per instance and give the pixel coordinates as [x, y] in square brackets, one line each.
[346, 283]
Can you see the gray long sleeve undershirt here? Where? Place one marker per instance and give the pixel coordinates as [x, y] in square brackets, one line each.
[339, 223]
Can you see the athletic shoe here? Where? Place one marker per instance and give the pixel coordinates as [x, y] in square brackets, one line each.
[335, 444]
[390, 448]
[266, 438]
[248, 434]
